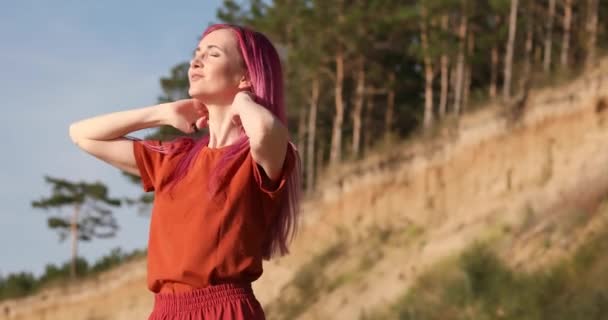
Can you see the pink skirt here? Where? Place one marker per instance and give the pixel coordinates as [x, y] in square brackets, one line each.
[222, 301]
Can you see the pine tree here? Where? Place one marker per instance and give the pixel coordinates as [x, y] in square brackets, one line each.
[91, 214]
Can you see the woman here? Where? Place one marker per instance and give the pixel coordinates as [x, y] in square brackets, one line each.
[223, 202]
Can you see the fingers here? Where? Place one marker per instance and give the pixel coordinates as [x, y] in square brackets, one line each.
[202, 115]
[236, 120]
[200, 107]
[197, 125]
[201, 122]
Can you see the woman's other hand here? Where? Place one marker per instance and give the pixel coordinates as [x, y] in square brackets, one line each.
[185, 114]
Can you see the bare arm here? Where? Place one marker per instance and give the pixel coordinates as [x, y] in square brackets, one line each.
[268, 137]
[103, 136]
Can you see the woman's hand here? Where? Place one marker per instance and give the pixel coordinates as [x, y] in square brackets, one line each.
[187, 115]
[268, 136]
[242, 98]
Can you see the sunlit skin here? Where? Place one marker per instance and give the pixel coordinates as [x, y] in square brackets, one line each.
[218, 85]
[216, 76]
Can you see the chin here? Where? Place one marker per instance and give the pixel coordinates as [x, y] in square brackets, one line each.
[203, 97]
[196, 93]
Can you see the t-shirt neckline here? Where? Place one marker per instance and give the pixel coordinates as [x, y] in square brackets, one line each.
[220, 149]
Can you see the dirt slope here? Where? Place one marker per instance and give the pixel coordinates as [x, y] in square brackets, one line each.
[529, 178]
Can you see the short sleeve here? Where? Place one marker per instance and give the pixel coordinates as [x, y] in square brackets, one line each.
[263, 182]
[149, 162]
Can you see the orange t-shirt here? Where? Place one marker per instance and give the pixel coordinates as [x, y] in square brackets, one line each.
[196, 241]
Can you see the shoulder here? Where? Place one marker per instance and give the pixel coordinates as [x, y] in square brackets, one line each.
[273, 186]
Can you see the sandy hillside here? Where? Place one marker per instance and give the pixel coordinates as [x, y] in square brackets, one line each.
[376, 224]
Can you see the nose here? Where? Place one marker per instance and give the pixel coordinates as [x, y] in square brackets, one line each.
[196, 63]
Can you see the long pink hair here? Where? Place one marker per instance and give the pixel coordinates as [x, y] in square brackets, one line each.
[265, 73]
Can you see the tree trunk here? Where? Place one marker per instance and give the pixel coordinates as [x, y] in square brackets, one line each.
[462, 34]
[390, 105]
[74, 232]
[453, 85]
[319, 161]
[549, 37]
[494, 73]
[506, 93]
[592, 9]
[443, 97]
[566, 40]
[312, 128]
[302, 129]
[336, 138]
[528, 48]
[358, 106]
[468, 71]
[428, 73]
[369, 131]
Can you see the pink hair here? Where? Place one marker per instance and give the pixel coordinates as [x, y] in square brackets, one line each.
[265, 73]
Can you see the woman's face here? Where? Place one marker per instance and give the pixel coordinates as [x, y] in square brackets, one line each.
[216, 70]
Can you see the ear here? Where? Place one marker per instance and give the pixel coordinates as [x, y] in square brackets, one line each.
[244, 82]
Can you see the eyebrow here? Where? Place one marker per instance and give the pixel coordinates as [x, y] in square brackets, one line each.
[208, 47]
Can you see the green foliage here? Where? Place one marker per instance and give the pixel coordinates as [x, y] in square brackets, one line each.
[479, 285]
[175, 86]
[386, 35]
[308, 283]
[21, 284]
[89, 200]
[17, 285]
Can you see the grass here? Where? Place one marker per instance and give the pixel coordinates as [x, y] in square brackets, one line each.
[308, 283]
[22, 284]
[312, 279]
[479, 285]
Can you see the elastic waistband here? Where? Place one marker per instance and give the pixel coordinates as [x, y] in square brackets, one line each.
[202, 297]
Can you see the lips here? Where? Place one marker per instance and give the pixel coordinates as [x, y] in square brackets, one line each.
[195, 77]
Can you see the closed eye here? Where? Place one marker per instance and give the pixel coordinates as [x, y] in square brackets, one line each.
[215, 55]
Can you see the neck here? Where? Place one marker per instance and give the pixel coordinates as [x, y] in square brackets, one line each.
[222, 131]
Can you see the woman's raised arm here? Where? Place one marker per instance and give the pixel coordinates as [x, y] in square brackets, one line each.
[103, 136]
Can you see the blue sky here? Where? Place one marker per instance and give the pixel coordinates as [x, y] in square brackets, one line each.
[62, 61]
